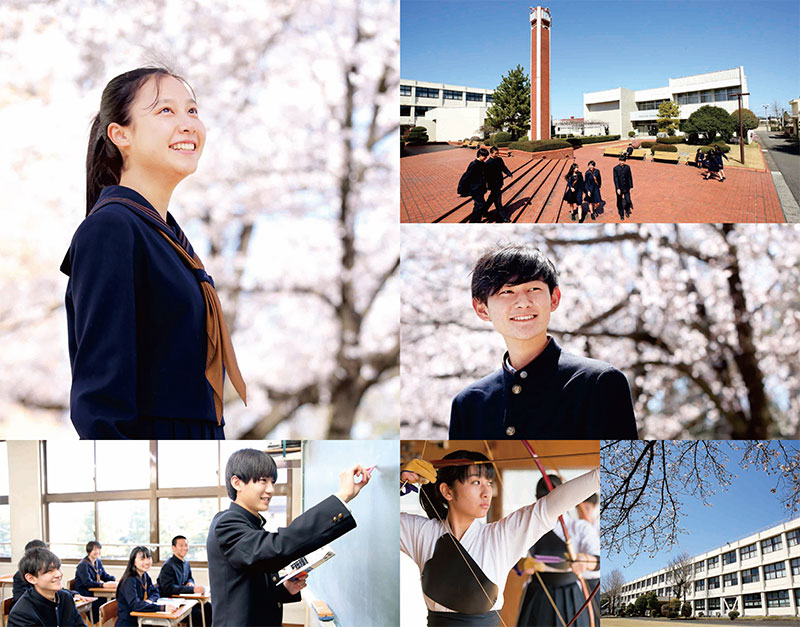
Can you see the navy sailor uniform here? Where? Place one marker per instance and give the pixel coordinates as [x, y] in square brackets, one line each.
[32, 609]
[556, 396]
[136, 319]
[135, 594]
[244, 559]
[88, 576]
[592, 183]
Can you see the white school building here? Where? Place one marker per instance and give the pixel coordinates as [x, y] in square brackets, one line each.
[757, 576]
[448, 112]
[625, 110]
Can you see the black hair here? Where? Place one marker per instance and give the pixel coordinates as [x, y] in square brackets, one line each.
[103, 158]
[482, 152]
[431, 499]
[176, 538]
[91, 545]
[249, 465]
[494, 149]
[572, 168]
[511, 264]
[130, 567]
[594, 499]
[35, 544]
[541, 486]
[592, 163]
[37, 561]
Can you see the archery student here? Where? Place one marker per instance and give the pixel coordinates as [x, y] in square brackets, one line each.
[243, 558]
[561, 579]
[540, 391]
[46, 602]
[148, 345]
[464, 562]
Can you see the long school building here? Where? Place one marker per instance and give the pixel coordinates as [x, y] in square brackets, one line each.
[757, 576]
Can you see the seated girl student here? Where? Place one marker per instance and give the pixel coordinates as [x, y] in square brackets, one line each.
[463, 562]
[46, 603]
[148, 344]
[135, 591]
[243, 558]
[90, 573]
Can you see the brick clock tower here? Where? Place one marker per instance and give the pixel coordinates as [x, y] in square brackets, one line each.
[540, 73]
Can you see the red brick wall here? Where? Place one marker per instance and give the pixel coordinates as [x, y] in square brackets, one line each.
[544, 122]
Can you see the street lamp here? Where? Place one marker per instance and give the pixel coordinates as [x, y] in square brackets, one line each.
[765, 114]
[741, 130]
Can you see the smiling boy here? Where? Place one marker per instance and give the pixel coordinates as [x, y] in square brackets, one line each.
[47, 603]
[244, 559]
[540, 391]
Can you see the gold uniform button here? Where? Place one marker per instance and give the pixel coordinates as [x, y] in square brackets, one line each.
[523, 375]
[334, 519]
[511, 431]
[516, 389]
[279, 604]
[340, 516]
[274, 578]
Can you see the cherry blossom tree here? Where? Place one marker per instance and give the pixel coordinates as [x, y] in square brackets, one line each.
[703, 319]
[293, 208]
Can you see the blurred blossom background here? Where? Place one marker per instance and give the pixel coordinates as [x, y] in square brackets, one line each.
[704, 320]
[293, 208]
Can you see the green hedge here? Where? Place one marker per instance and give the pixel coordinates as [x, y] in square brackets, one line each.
[670, 140]
[647, 144]
[539, 145]
[594, 139]
[658, 147]
[725, 148]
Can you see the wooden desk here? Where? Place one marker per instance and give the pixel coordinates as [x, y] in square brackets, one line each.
[106, 593]
[5, 580]
[166, 619]
[84, 607]
[202, 598]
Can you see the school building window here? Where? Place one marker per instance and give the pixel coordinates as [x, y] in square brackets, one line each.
[771, 544]
[452, 95]
[707, 95]
[713, 604]
[750, 575]
[474, 97]
[489, 98]
[405, 90]
[751, 601]
[405, 110]
[661, 579]
[419, 111]
[793, 537]
[797, 596]
[730, 580]
[700, 585]
[713, 561]
[700, 605]
[426, 92]
[795, 564]
[774, 571]
[5, 511]
[746, 552]
[713, 583]
[779, 598]
[699, 566]
[729, 557]
[144, 492]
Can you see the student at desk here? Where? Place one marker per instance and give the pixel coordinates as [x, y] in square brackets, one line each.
[20, 585]
[135, 591]
[46, 603]
[243, 558]
[176, 578]
[91, 574]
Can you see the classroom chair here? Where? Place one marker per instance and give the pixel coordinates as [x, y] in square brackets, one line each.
[108, 614]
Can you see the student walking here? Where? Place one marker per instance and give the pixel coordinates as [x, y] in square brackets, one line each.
[592, 181]
[623, 184]
[473, 183]
[719, 155]
[573, 195]
[495, 168]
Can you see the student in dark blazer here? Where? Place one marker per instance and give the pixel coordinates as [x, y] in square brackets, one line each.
[623, 184]
[474, 184]
[244, 559]
[20, 585]
[540, 391]
[591, 183]
[495, 168]
[175, 577]
[90, 573]
[147, 340]
[136, 592]
[573, 194]
[46, 603]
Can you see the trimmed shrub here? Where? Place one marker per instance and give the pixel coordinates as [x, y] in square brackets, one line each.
[658, 147]
[539, 145]
[594, 139]
[502, 136]
[575, 142]
[670, 140]
[733, 614]
[725, 147]
[686, 610]
[631, 133]
[417, 135]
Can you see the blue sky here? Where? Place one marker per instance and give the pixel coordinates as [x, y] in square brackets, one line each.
[747, 506]
[602, 45]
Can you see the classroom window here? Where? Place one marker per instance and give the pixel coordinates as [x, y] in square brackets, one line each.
[721, 94]
[699, 585]
[71, 526]
[750, 576]
[700, 605]
[707, 95]
[452, 95]
[797, 596]
[420, 111]
[123, 525]
[489, 98]
[699, 566]
[771, 544]
[795, 564]
[694, 97]
[472, 97]
[405, 110]
[713, 604]
[713, 562]
[683, 99]
[713, 583]
[730, 579]
[426, 92]
[405, 90]
[132, 455]
[793, 537]
[774, 571]
[661, 579]
[746, 552]
[729, 557]
[186, 517]
[70, 466]
[778, 598]
[751, 601]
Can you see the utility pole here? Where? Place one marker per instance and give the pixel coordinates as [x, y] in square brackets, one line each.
[741, 130]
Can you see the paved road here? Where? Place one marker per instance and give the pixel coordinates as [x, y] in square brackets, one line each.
[783, 160]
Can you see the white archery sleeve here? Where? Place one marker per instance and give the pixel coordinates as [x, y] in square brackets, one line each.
[569, 495]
